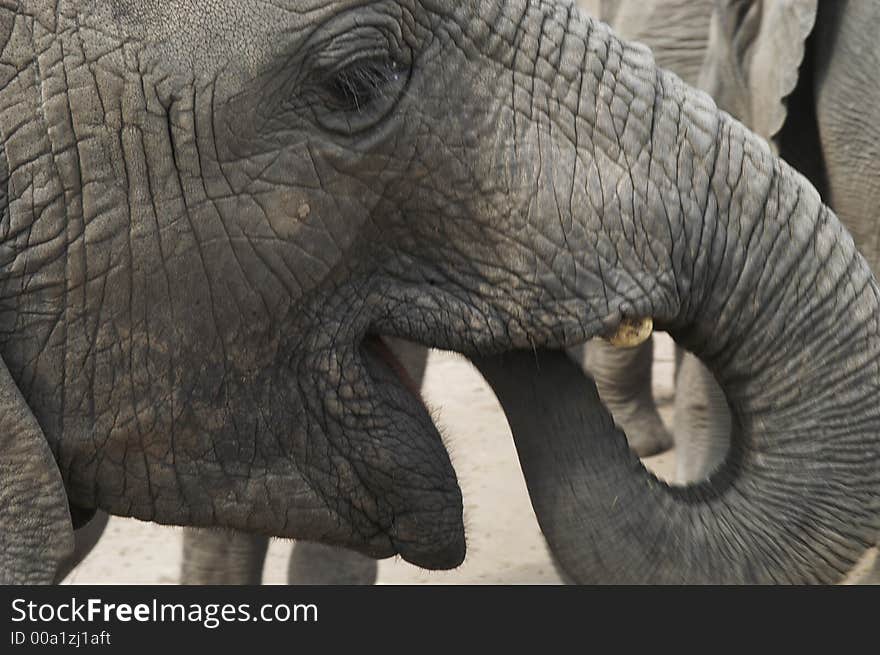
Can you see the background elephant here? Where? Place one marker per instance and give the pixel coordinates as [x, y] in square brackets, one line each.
[207, 236]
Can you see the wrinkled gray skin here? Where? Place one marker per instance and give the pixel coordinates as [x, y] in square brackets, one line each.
[677, 31]
[237, 558]
[799, 79]
[209, 212]
[754, 62]
[806, 77]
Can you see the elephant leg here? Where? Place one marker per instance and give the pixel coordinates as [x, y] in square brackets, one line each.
[702, 421]
[317, 564]
[222, 557]
[623, 377]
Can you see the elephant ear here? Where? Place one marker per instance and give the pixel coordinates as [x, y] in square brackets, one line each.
[756, 48]
[36, 531]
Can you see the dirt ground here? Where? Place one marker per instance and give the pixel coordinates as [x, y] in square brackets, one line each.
[504, 543]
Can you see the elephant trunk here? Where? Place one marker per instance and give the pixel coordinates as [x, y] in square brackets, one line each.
[690, 220]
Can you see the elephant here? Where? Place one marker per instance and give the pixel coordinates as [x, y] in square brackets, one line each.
[214, 216]
[623, 374]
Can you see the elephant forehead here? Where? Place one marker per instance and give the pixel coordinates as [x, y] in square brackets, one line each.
[189, 35]
[217, 36]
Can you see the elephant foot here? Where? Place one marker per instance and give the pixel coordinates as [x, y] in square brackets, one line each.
[317, 564]
[222, 557]
[623, 378]
[643, 427]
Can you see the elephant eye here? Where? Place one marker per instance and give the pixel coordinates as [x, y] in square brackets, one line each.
[360, 94]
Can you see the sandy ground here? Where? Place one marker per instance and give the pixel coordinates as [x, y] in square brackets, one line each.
[504, 542]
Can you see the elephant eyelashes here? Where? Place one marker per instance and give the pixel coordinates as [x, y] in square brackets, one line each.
[355, 87]
[361, 94]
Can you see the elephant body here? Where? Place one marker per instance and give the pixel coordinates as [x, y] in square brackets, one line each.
[214, 216]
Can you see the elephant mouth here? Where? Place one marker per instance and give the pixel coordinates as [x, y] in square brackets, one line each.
[423, 519]
[376, 346]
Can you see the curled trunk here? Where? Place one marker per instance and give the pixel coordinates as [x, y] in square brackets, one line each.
[608, 519]
[795, 346]
[696, 224]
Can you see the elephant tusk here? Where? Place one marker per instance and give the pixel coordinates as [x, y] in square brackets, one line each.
[632, 332]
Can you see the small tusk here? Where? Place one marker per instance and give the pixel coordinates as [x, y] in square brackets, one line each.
[632, 332]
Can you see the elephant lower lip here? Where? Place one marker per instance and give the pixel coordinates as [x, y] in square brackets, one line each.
[426, 527]
[427, 556]
[431, 540]
[435, 559]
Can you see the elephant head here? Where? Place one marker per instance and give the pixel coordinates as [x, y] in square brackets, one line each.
[215, 215]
